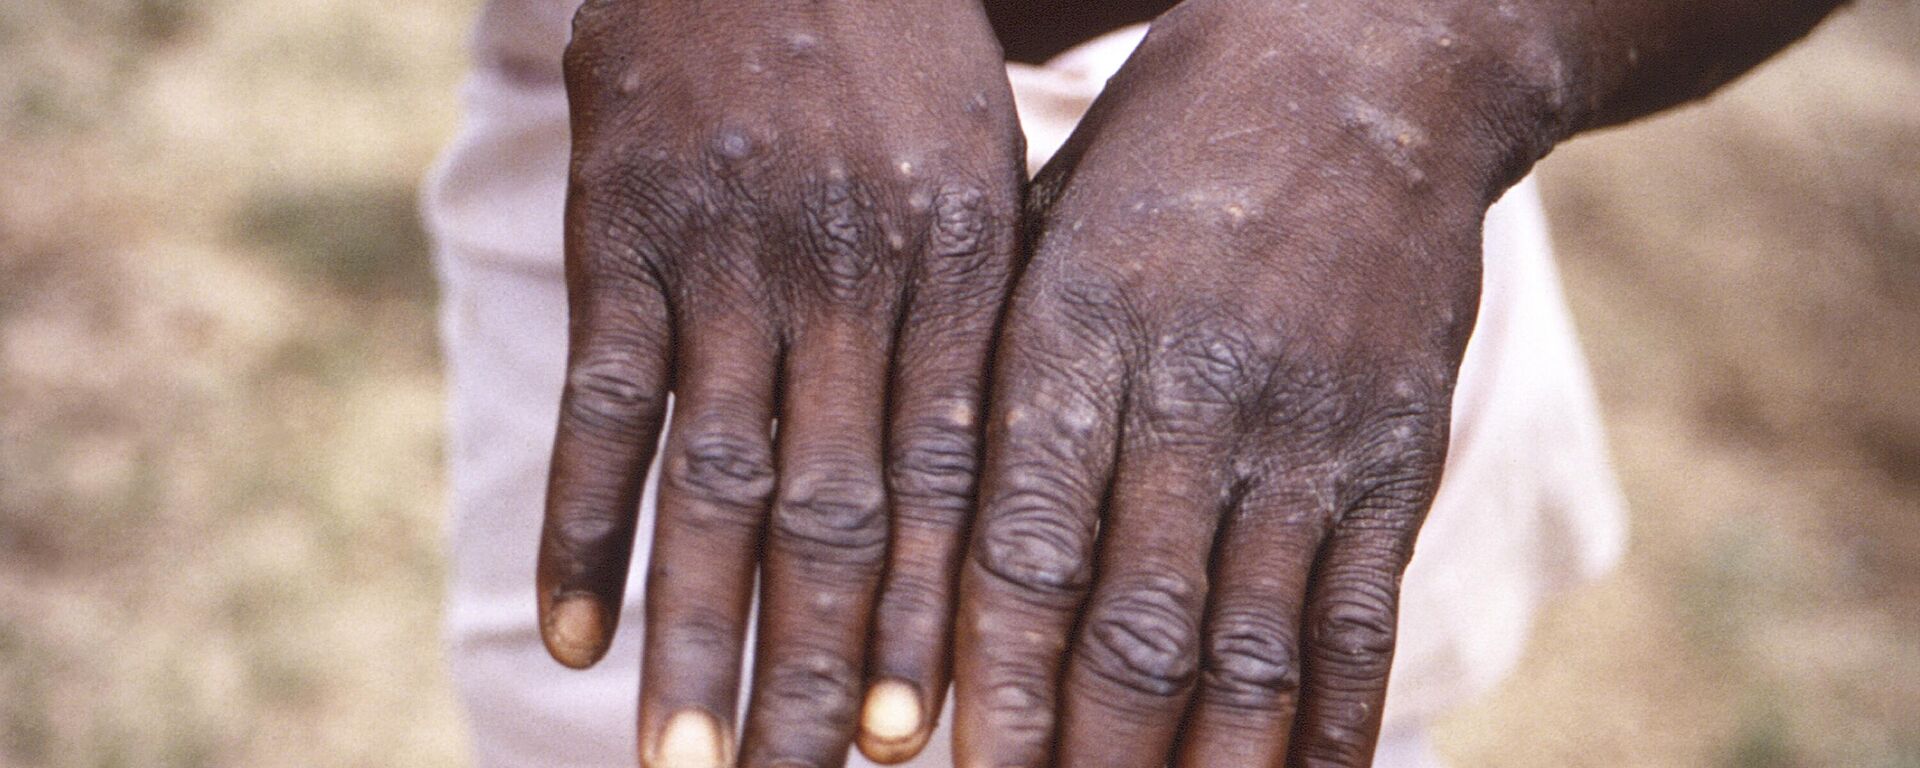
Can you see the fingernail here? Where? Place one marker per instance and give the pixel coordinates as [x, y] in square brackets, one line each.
[690, 740]
[892, 711]
[576, 631]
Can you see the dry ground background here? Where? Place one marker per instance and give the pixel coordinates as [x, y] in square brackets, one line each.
[219, 462]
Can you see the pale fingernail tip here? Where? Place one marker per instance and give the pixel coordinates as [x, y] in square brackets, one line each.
[892, 711]
[691, 739]
[576, 631]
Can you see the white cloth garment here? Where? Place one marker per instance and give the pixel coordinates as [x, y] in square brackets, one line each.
[1527, 505]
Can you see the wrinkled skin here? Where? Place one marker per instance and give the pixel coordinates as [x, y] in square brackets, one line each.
[1222, 394]
[809, 218]
[1220, 390]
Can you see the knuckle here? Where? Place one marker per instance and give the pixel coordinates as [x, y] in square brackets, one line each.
[629, 212]
[912, 606]
[1029, 543]
[1396, 459]
[1144, 637]
[1407, 428]
[1223, 362]
[614, 390]
[961, 223]
[1017, 698]
[1354, 631]
[821, 684]
[1022, 696]
[1303, 397]
[1199, 381]
[1090, 307]
[932, 471]
[840, 235]
[1392, 498]
[583, 526]
[1252, 659]
[698, 635]
[836, 516]
[582, 536]
[731, 472]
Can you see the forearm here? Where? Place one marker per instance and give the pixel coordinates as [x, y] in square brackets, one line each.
[1624, 59]
[1457, 95]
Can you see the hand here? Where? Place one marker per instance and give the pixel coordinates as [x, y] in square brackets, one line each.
[801, 212]
[1221, 396]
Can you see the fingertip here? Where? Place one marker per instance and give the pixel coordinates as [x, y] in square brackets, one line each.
[692, 738]
[893, 726]
[576, 631]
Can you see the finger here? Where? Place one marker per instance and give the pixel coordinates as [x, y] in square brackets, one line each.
[716, 481]
[610, 417]
[1247, 696]
[1049, 454]
[1138, 649]
[933, 447]
[826, 545]
[1349, 639]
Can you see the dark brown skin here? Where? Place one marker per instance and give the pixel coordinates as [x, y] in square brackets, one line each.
[1033, 31]
[810, 218]
[1220, 389]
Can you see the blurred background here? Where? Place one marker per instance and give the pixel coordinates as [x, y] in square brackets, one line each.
[220, 478]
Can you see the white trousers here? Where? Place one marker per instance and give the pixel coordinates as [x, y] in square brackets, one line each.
[1527, 504]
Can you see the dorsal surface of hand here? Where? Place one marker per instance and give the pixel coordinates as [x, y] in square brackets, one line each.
[792, 212]
[1222, 391]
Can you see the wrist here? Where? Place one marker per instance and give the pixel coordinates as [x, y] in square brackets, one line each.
[1467, 92]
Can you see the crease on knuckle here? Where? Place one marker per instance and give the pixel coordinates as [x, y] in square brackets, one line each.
[1144, 637]
[630, 225]
[1198, 382]
[1031, 544]
[1092, 309]
[840, 236]
[911, 605]
[1396, 462]
[837, 517]
[697, 636]
[1252, 660]
[1223, 363]
[960, 223]
[1305, 399]
[613, 392]
[585, 535]
[1017, 697]
[1389, 499]
[1353, 634]
[932, 472]
[731, 474]
[811, 685]
[585, 526]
